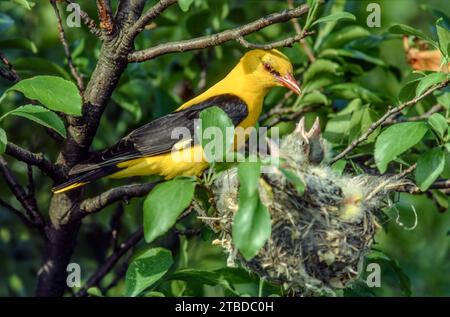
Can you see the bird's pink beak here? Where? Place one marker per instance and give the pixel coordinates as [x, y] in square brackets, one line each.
[289, 81]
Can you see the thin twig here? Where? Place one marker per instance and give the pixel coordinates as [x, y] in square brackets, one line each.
[308, 51]
[150, 15]
[36, 159]
[20, 194]
[436, 108]
[63, 39]
[386, 116]
[283, 43]
[218, 38]
[17, 212]
[95, 204]
[9, 73]
[88, 21]
[111, 261]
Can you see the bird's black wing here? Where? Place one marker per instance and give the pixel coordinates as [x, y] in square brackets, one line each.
[156, 137]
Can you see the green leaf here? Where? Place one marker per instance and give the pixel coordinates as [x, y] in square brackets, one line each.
[321, 73]
[53, 92]
[395, 140]
[146, 269]
[429, 166]
[94, 291]
[25, 3]
[443, 36]
[352, 91]
[339, 167]
[405, 29]
[21, 43]
[251, 225]
[325, 29]
[32, 66]
[295, 180]
[344, 36]
[5, 22]
[197, 276]
[3, 141]
[428, 81]
[335, 17]
[438, 123]
[314, 97]
[404, 280]
[40, 115]
[217, 133]
[185, 4]
[164, 204]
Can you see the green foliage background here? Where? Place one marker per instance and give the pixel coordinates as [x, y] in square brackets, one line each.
[363, 70]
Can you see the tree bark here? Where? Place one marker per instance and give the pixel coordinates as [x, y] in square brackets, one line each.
[64, 211]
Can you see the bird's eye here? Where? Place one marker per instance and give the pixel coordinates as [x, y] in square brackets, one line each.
[270, 69]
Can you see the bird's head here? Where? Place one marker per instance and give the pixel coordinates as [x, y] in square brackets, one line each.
[270, 68]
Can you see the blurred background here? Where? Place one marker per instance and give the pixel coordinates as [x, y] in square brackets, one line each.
[373, 70]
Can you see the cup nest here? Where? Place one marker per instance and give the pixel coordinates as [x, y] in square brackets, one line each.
[319, 237]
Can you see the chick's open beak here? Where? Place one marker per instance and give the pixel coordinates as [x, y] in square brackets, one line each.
[289, 81]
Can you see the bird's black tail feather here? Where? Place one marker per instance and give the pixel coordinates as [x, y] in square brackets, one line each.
[85, 178]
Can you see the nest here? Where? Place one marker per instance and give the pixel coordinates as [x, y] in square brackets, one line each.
[319, 238]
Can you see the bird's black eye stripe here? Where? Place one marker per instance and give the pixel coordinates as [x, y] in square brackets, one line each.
[270, 69]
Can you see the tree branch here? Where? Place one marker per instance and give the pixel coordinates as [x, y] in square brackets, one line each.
[218, 38]
[95, 204]
[385, 117]
[20, 194]
[9, 73]
[283, 43]
[105, 16]
[90, 23]
[308, 51]
[393, 119]
[150, 15]
[111, 261]
[63, 39]
[17, 212]
[36, 159]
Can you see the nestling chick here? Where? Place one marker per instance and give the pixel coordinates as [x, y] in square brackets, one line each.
[320, 237]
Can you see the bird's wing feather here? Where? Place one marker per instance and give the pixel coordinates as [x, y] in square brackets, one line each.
[156, 137]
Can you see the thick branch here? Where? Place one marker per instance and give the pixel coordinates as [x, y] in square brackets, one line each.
[63, 39]
[150, 15]
[392, 112]
[282, 43]
[95, 204]
[36, 159]
[20, 194]
[90, 23]
[218, 38]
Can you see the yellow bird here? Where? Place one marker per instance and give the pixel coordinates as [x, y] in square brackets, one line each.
[148, 149]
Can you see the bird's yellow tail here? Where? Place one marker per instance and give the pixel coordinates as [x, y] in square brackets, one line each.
[59, 190]
[85, 178]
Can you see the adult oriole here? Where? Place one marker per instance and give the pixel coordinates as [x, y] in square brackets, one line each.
[147, 150]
